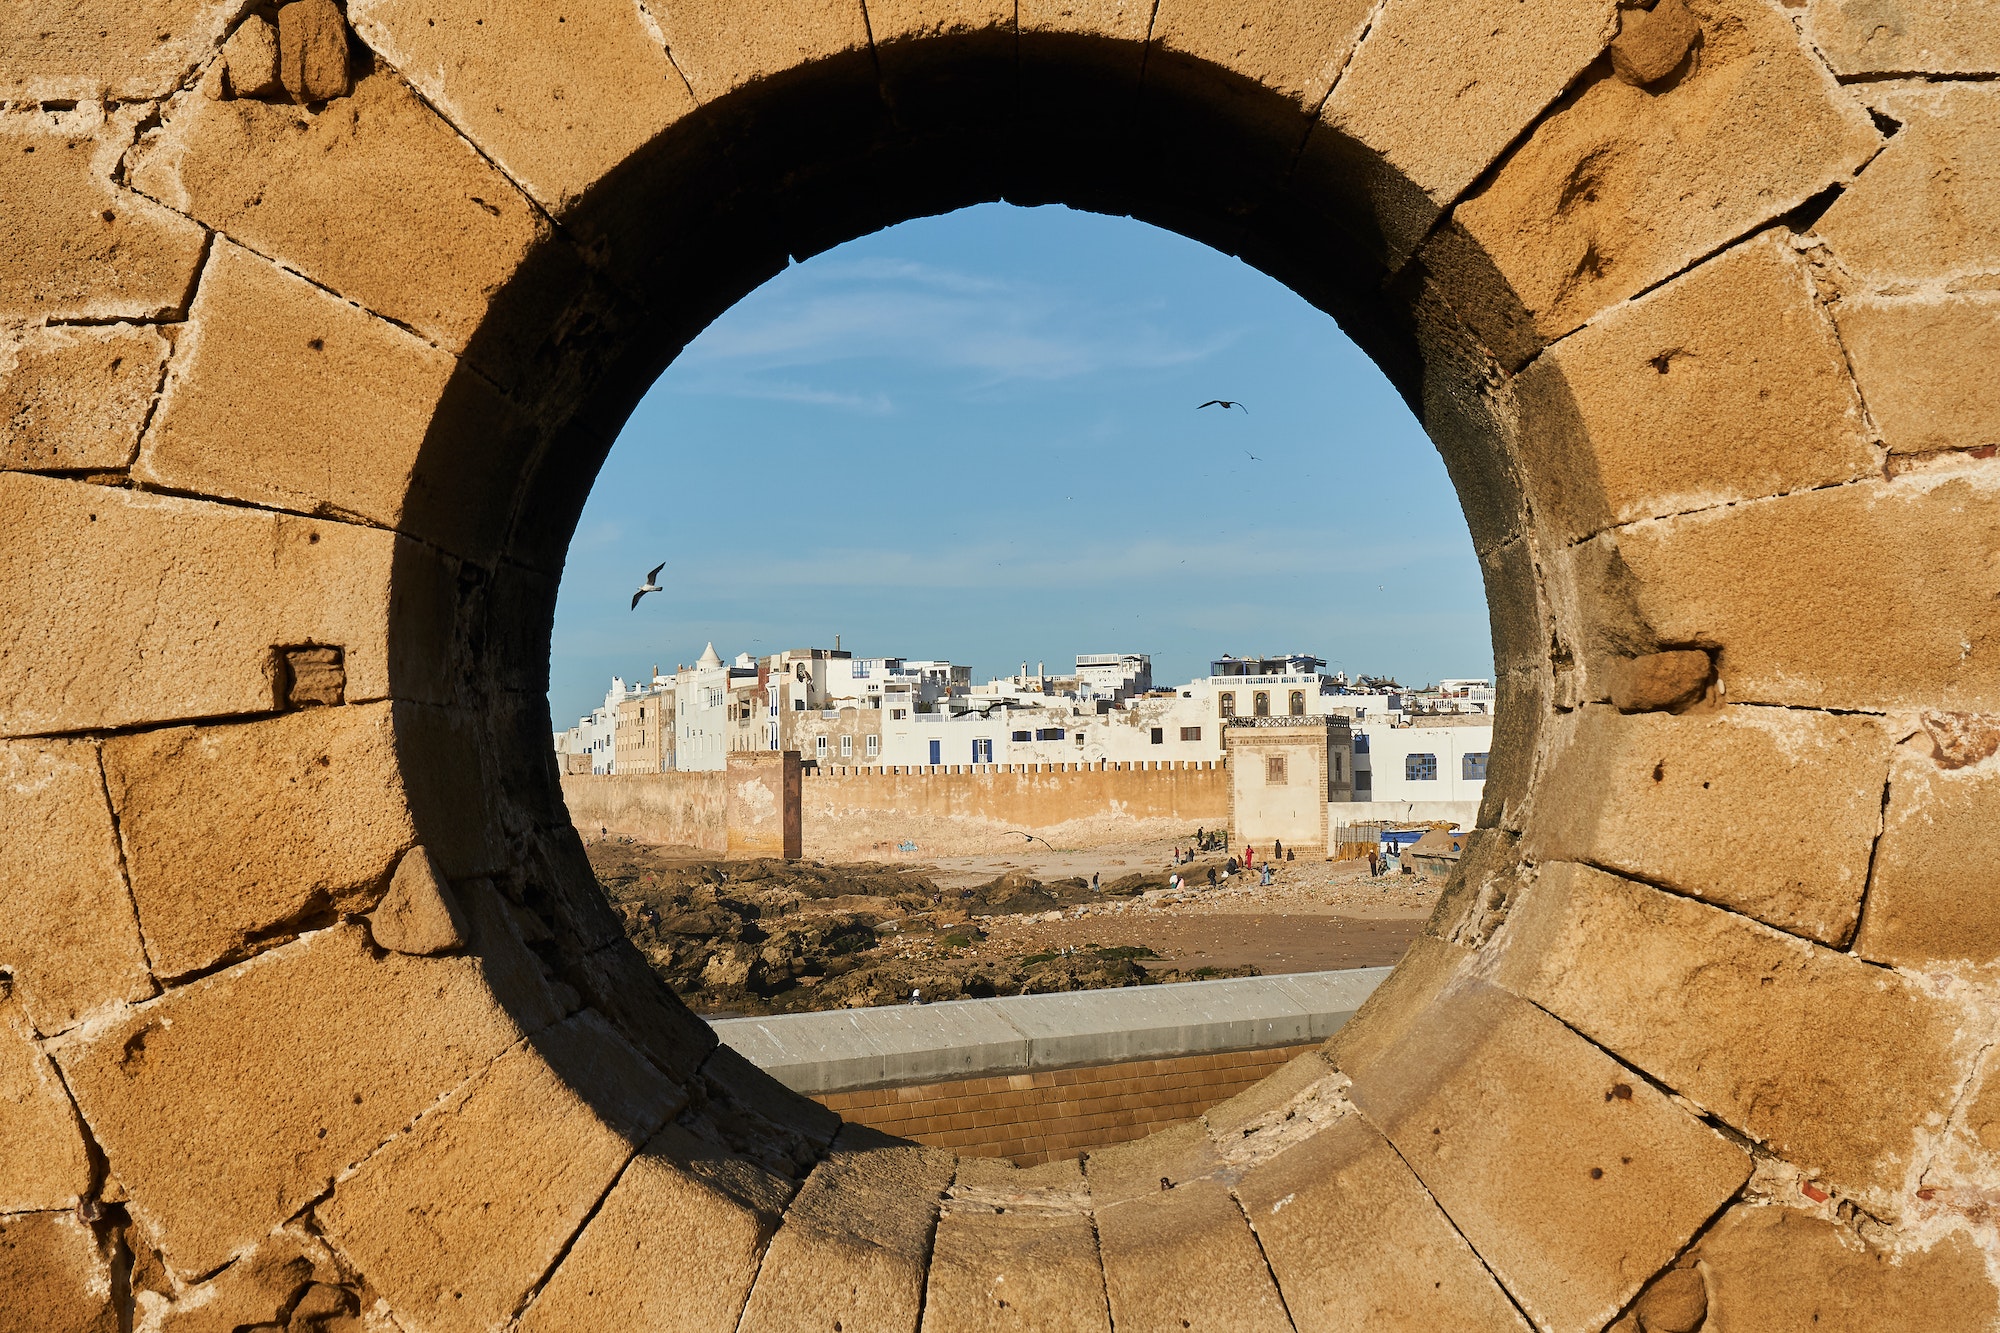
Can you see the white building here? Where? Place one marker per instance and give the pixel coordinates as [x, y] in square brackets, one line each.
[1406, 765]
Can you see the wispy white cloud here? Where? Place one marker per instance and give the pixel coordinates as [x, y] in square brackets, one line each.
[929, 318]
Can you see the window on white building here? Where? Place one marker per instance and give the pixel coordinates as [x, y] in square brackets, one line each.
[1420, 767]
[1361, 744]
[1190, 733]
[982, 752]
[1298, 703]
[874, 746]
[819, 746]
[1159, 735]
[1363, 781]
[1260, 703]
[798, 705]
[1475, 766]
[1274, 770]
[1226, 703]
[847, 747]
[1021, 736]
[1053, 734]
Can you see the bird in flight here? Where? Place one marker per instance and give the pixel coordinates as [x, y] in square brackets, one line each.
[1032, 838]
[1253, 458]
[1225, 404]
[649, 585]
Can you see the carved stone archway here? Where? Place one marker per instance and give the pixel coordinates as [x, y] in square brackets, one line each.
[313, 1014]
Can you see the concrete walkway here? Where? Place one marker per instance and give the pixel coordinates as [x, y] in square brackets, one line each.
[870, 1048]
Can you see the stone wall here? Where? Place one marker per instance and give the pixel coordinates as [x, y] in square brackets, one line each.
[1036, 1117]
[749, 809]
[316, 323]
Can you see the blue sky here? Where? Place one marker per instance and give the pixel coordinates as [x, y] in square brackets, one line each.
[975, 437]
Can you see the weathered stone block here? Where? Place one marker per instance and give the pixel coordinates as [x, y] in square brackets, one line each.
[1927, 901]
[722, 48]
[1909, 359]
[1906, 36]
[1184, 1258]
[54, 51]
[67, 932]
[164, 608]
[310, 677]
[1726, 384]
[419, 914]
[1772, 812]
[457, 1220]
[79, 247]
[1870, 596]
[1929, 206]
[74, 399]
[1623, 186]
[1652, 43]
[285, 396]
[250, 57]
[1146, 1166]
[235, 835]
[853, 1248]
[1386, 1016]
[56, 1279]
[673, 1247]
[43, 1164]
[231, 1103]
[1020, 1269]
[1435, 94]
[1840, 1067]
[1653, 682]
[558, 97]
[1779, 1271]
[312, 50]
[376, 198]
[1356, 1243]
[1573, 1179]
[1295, 50]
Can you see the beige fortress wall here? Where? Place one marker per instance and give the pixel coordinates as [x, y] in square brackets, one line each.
[882, 816]
[871, 816]
[314, 331]
[749, 809]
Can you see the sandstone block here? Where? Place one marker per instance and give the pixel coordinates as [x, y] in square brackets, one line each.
[258, 1290]
[237, 835]
[251, 58]
[80, 247]
[1184, 1258]
[285, 396]
[674, 1247]
[55, 1278]
[1772, 812]
[1653, 682]
[1573, 1179]
[232, 1102]
[1926, 207]
[52, 51]
[1906, 36]
[457, 1220]
[376, 198]
[164, 608]
[1928, 900]
[419, 914]
[1386, 1016]
[721, 48]
[1296, 51]
[67, 932]
[557, 98]
[1026, 1269]
[1779, 1271]
[43, 1164]
[1906, 583]
[1234, 1116]
[1125, 21]
[1652, 43]
[1623, 186]
[312, 50]
[854, 1245]
[894, 24]
[1841, 1068]
[1909, 359]
[1725, 384]
[73, 399]
[1434, 95]
[310, 677]
[1144, 1167]
[1356, 1243]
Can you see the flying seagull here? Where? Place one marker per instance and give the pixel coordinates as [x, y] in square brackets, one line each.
[1253, 457]
[1225, 404]
[1032, 838]
[649, 585]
